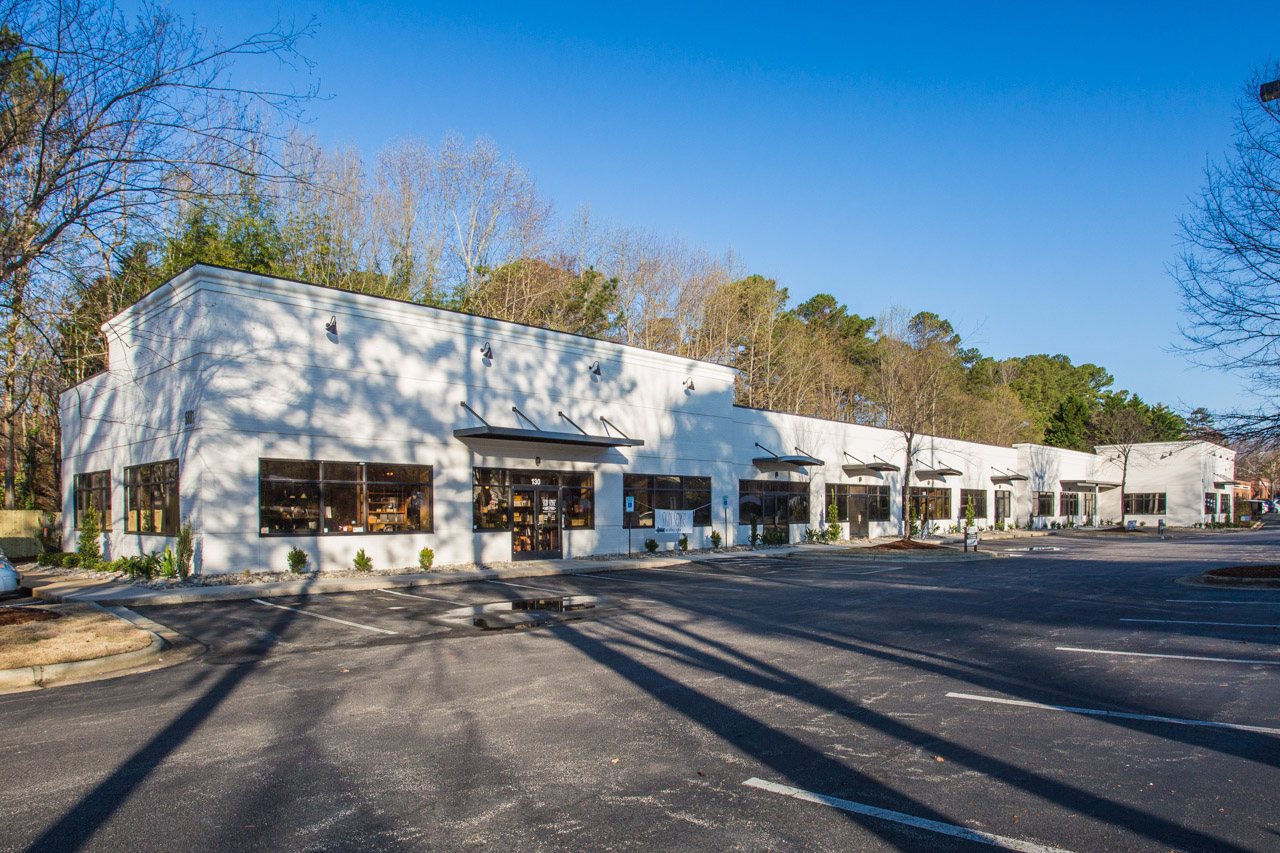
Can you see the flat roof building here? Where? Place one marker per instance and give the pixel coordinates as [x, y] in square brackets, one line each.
[275, 414]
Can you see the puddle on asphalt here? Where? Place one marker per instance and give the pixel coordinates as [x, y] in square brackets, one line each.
[526, 612]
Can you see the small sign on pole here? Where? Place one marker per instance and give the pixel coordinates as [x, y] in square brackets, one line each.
[631, 504]
[970, 538]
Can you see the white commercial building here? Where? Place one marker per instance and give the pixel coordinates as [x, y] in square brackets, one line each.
[274, 414]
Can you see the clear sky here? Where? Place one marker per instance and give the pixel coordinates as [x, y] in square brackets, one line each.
[1017, 168]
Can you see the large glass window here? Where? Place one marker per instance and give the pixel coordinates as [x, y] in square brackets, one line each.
[307, 497]
[773, 503]
[1210, 503]
[151, 498]
[1150, 503]
[877, 501]
[1043, 504]
[491, 496]
[92, 490]
[977, 497]
[929, 504]
[665, 492]
[1069, 503]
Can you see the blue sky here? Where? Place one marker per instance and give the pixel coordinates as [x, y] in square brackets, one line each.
[1017, 168]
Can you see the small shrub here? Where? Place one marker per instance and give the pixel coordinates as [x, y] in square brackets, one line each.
[913, 523]
[89, 546]
[715, 539]
[1000, 525]
[832, 531]
[651, 545]
[755, 534]
[70, 561]
[683, 542]
[970, 513]
[812, 535]
[425, 558]
[362, 562]
[186, 549]
[297, 560]
[168, 563]
[119, 564]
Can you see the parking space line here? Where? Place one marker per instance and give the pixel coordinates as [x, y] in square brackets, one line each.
[1097, 712]
[421, 597]
[686, 572]
[1216, 601]
[872, 572]
[1173, 657]
[526, 586]
[902, 818]
[322, 616]
[1189, 622]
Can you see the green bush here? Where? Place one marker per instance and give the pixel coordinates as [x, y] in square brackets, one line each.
[70, 561]
[651, 545]
[186, 549]
[297, 560]
[362, 562]
[832, 531]
[425, 558]
[683, 543]
[168, 563]
[89, 545]
[715, 539]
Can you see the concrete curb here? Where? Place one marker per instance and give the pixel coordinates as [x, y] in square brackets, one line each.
[31, 677]
[1231, 583]
[121, 594]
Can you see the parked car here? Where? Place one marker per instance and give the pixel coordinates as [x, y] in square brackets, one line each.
[8, 575]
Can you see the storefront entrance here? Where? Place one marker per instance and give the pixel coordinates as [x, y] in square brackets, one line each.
[859, 516]
[535, 522]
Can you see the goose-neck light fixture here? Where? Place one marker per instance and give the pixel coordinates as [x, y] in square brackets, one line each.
[486, 351]
[332, 326]
[594, 369]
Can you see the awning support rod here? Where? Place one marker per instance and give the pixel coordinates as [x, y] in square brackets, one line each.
[529, 420]
[610, 423]
[474, 412]
[570, 420]
[766, 450]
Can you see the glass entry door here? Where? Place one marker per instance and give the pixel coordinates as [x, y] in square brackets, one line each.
[1002, 505]
[535, 523]
[858, 516]
[1090, 508]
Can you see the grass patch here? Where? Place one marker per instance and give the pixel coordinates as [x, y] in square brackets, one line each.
[81, 633]
[1259, 572]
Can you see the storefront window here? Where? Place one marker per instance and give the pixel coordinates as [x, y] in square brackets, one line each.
[665, 492]
[92, 490]
[151, 498]
[773, 503]
[315, 498]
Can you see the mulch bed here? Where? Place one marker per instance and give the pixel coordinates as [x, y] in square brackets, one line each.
[23, 615]
[1266, 570]
[905, 545]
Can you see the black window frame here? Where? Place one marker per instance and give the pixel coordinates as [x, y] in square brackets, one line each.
[1069, 503]
[1040, 502]
[979, 498]
[928, 500]
[92, 488]
[879, 504]
[1210, 503]
[488, 483]
[333, 477]
[665, 491]
[1139, 503]
[163, 478]
[793, 495]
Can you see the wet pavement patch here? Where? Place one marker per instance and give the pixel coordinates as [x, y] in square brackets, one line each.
[527, 612]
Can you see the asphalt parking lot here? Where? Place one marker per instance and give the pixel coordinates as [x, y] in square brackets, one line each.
[1077, 699]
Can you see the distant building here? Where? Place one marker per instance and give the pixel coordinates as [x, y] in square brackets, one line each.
[274, 414]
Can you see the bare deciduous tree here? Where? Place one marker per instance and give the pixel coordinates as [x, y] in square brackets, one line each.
[1229, 270]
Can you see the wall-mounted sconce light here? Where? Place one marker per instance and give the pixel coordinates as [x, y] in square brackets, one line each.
[486, 351]
[594, 368]
[332, 326]
[688, 383]
[537, 460]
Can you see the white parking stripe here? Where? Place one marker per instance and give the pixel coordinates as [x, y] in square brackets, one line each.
[1189, 622]
[321, 616]
[1217, 601]
[1174, 657]
[706, 574]
[906, 819]
[423, 597]
[526, 586]
[1095, 712]
[873, 572]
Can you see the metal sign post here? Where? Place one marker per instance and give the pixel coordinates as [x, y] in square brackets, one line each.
[631, 507]
[726, 520]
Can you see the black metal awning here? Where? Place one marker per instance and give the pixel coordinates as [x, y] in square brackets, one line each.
[1010, 477]
[1092, 484]
[869, 468]
[546, 437]
[797, 461]
[937, 473]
